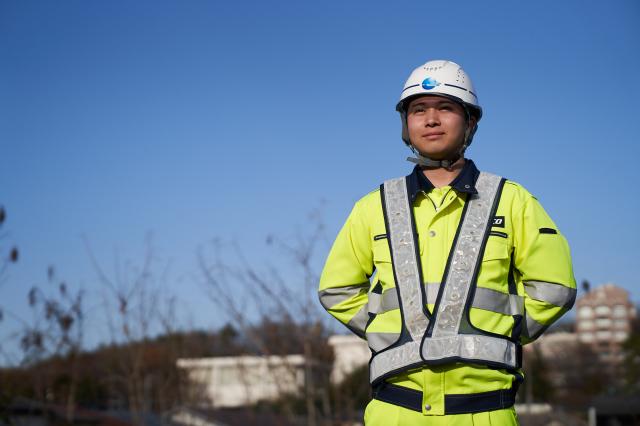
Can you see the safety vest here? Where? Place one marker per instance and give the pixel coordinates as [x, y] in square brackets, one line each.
[445, 336]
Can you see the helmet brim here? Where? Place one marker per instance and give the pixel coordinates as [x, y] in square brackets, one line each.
[474, 110]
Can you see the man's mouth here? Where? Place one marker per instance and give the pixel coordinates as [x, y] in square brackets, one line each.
[432, 135]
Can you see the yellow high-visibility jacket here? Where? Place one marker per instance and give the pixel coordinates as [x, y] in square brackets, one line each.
[525, 281]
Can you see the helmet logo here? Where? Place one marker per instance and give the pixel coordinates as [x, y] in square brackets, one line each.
[429, 83]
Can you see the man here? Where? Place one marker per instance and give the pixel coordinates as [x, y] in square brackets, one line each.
[446, 272]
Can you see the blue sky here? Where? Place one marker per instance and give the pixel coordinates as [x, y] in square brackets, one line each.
[203, 119]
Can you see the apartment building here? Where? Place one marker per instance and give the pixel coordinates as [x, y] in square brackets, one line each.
[603, 320]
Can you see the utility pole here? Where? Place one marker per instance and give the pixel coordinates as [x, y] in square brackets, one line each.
[309, 385]
[592, 416]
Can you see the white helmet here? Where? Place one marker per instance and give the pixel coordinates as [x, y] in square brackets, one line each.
[442, 78]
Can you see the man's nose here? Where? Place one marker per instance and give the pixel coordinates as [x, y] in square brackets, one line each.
[431, 118]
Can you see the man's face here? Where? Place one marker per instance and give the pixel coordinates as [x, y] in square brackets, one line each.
[436, 126]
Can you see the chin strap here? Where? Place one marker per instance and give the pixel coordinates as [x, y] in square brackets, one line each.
[428, 162]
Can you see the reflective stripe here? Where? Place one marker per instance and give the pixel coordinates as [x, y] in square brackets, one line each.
[471, 347]
[554, 294]
[380, 341]
[394, 359]
[533, 328]
[485, 298]
[358, 322]
[385, 302]
[330, 297]
[388, 301]
[432, 292]
[375, 303]
[495, 301]
[464, 257]
[403, 248]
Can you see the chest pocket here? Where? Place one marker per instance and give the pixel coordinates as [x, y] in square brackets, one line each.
[381, 251]
[382, 262]
[494, 270]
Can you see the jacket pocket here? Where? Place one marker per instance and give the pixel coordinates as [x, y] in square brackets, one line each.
[496, 248]
[494, 269]
[493, 304]
[382, 264]
[381, 251]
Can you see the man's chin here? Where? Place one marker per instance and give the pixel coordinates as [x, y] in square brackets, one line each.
[438, 156]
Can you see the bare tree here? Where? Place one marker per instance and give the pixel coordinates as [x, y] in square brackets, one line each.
[12, 256]
[5, 258]
[278, 316]
[56, 330]
[141, 373]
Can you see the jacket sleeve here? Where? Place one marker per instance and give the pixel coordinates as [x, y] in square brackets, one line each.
[543, 261]
[344, 282]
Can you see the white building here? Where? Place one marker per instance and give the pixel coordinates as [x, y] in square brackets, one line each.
[350, 352]
[224, 382]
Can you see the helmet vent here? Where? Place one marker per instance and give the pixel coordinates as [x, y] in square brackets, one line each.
[433, 67]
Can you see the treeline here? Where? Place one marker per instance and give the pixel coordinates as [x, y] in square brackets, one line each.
[102, 377]
[142, 377]
[99, 379]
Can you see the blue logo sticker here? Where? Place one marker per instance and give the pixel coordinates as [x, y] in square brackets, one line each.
[429, 83]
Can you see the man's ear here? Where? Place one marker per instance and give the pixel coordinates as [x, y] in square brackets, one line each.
[470, 131]
[473, 122]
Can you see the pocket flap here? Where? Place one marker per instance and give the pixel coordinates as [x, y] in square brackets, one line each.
[381, 252]
[496, 248]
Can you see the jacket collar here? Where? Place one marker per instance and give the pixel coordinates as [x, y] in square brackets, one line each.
[464, 182]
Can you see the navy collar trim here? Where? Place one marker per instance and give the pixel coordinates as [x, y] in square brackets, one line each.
[464, 182]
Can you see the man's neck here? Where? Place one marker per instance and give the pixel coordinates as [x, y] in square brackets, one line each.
[442, 177]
